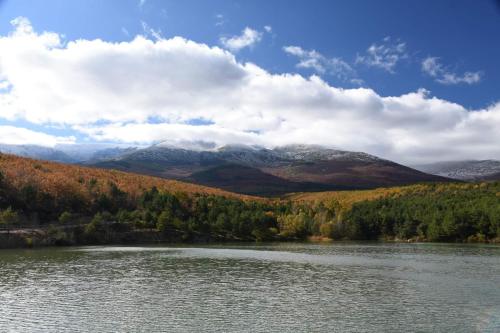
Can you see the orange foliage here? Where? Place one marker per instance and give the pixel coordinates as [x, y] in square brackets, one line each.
[60, 179]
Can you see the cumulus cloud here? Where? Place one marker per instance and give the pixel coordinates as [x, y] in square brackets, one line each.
[147, 133]
[21, 136]
[433, 67]
[314, 60]
[146, 91]
[248, 38]
[385, 55]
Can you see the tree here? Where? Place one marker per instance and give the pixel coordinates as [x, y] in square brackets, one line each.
[164, 221]
[95, 224]
[8, 218]
[293, 225]
[65, 217]
[326, 229]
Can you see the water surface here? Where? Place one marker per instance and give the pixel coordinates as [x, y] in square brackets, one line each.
[345, 287]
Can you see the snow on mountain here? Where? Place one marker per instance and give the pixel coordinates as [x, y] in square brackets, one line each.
[37, 152]
[463, 170]
[187, 145]
[315, 153]
[68, 153]
[86, 152]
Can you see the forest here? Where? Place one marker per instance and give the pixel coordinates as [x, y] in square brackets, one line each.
[91, 206]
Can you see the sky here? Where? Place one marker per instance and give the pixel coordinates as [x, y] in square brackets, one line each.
[414, 82]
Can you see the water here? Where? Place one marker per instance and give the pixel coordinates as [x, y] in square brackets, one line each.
[254, 288]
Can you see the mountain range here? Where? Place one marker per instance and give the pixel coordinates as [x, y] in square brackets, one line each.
[471, 170]
[68, 153]
[260, 171]
[242, 169]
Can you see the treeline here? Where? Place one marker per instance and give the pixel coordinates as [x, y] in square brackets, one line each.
[433, 213]
[103, 212]
[175, 216]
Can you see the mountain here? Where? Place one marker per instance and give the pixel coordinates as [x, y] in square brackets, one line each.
[257, 170]
[464, 170]
[243, 169]
[252, 181]
[93, 152]
[37, 152]
[108, 153]
[69, 153]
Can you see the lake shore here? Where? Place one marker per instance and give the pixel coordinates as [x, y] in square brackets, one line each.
[75, 236]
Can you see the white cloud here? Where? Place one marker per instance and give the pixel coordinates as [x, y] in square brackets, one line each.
[432, 67]
[248, 38]
[147, 133]
[19, 136]
[151, 90]
[385, 55]
[268, 28]
[312, 59]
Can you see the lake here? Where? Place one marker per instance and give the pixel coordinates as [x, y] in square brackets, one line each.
[286, 287]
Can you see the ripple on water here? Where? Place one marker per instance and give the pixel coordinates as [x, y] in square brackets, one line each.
[260, 288]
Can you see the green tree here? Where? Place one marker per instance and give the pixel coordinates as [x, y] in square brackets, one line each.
[326, 229]
[293, 225]
[65, 217]
[9, 218]
[164, 221]
[95, 224]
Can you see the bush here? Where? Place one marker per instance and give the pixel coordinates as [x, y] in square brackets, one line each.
[9, 218]
[65, 217]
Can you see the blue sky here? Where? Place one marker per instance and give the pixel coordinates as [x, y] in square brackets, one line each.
[437, 50]
[462, 33]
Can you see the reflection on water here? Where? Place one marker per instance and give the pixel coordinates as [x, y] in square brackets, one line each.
[255, 288]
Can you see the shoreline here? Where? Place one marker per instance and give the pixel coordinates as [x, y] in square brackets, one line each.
[38, 238]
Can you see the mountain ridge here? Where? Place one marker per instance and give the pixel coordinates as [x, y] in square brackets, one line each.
[297, 167]
[244, 169]
[466, 170]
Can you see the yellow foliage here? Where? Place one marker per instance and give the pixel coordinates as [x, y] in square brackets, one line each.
[60, 179]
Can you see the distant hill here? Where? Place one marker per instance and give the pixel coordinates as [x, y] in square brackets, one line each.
[37, 152]
[261, 171]
[253, 181]
[68, 153]
[464, 170]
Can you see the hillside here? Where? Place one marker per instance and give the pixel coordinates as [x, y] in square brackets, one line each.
[428, 212]
[59, 179]
[47, 203]
[345, 198]
[67, 204]
[253, 181]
